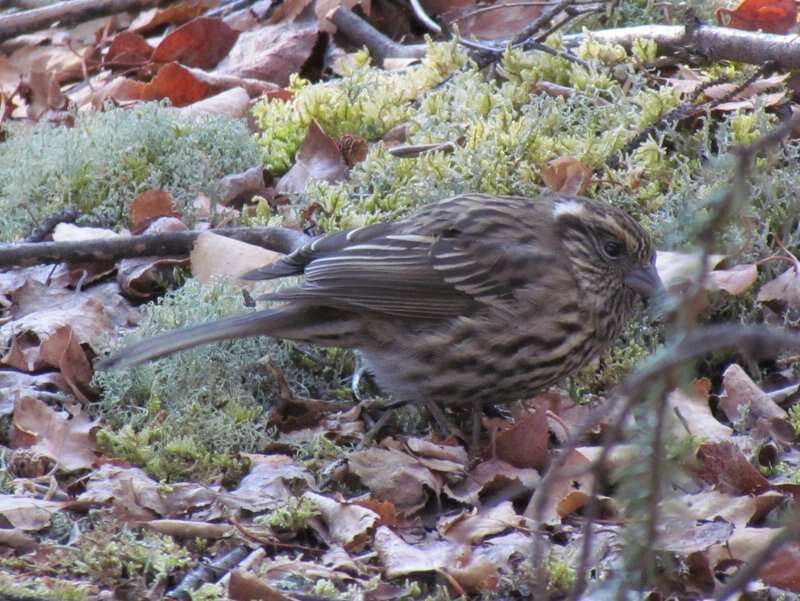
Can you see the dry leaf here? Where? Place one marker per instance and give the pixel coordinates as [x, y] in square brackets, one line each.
[150, 205]
[272, 52]
[475, 525]
[234, 103]
[735, 280]
[525, 443]
[567, 175]
[771, 16]
[695, 413]
[346, 524]
[319, 159]
[395, 476]
[219, 256]
[134, 495]
[68, 440]
[202, 42]
[726, 466]
[743, 397]
[26, 513]
[267, 484]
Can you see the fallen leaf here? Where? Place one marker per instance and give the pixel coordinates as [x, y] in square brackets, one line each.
[246, 587]
[272, 52]
[726, 466]
[319, 159]
[475, 525]
[679, 535]
[783, 291]
[691, 409]
[742, 397]
[558, 500]
[128, 49]
[215, 256]
[499, 20]
[526, 442]
[27, 513]
[395, 476]
[202, 42]
[150, 205]
[191, 530]
[771, 16]
[712, 504]
[347, 524]
[234, 103]
[567, 175]
[781, 570]
[736, 280]
[49, 386]
[68, 440]
[677, 268]
[176, 13]
[490, 476]
[267, 486]
[145, 277]
[134, 495]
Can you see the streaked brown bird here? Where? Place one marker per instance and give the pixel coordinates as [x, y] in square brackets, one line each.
[472, 299]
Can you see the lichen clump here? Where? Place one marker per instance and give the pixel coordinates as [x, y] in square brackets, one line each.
[191, 413]
[102, 163]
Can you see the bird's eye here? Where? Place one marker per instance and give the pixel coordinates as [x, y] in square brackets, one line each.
[613, 249]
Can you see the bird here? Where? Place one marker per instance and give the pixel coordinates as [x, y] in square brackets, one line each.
[473, 299]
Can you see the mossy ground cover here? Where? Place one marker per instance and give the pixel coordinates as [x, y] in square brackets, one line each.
[505, 128]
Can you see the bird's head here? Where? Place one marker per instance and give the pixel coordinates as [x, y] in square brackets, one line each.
[611, 254]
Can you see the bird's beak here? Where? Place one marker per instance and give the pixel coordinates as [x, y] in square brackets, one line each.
[645, 281]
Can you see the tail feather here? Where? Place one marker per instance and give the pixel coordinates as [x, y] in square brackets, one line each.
[257, 323]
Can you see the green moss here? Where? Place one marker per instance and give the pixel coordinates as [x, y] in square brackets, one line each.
[366, 102]
[126, 558]
[102, 163]
[292, 517]
[190, 414]
[14, 586]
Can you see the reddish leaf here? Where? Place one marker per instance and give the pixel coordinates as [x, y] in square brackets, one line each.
[567, 175]
[151, 205]
[782, 569]
[127, 50]
[178, 13]
[525, 443]
[772, 16]
[177, 83]
[202, 42]
[727, 467]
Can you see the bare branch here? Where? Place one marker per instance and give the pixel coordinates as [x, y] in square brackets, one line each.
[279, 239]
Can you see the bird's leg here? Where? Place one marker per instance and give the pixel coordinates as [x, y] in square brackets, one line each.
[477, 413]
[445, 425]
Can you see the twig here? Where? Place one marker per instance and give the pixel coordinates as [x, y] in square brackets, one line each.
[279, 239]
[423, 17]
[545, 17]
[380, 46]
[208, 572]
[74, 10]
[747, 572]
[708, 41]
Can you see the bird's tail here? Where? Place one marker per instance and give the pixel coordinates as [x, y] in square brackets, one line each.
[257, 323]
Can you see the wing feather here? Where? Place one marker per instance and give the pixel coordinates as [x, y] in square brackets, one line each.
[444, 265]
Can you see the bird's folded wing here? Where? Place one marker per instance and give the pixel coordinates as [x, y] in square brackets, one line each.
[413, 275]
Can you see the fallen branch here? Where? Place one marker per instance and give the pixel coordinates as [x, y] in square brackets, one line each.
[75, 11]
[357, 30]
[709, 41]
[279, 239]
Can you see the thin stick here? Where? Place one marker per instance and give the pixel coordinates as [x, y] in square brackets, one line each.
[279, 239]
